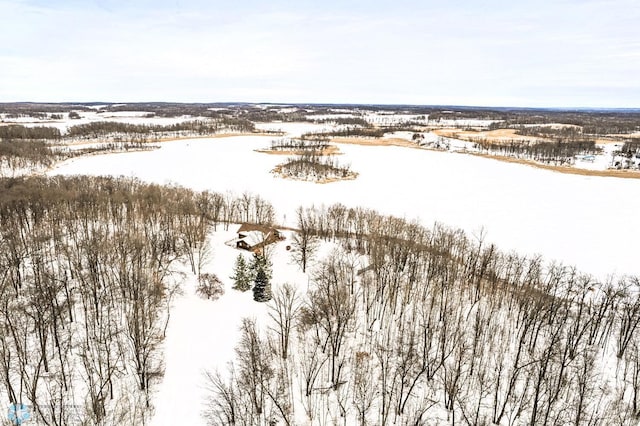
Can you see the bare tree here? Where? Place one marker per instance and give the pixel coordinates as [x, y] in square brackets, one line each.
[304, 242]
[284, 313]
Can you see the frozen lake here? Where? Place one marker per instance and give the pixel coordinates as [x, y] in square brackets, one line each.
[590, 222]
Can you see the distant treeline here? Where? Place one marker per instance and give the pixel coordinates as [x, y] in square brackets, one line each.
[25, 148]
[199, 127]
[287, 144]
[374, 132]
[570, 132]
[269, 115]
[589, 123]
[561, 152]
[347, 121]
[16, 131]
[37, 110]
[21, 156]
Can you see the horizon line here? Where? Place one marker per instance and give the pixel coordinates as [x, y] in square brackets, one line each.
[338, 104]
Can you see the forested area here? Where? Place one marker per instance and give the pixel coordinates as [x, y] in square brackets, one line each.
[345, 121]
[586, 123]
[27, 149]
[88, 268]
[631, 147]
[408, 325]
[565, 132]
[24, 148]
[16, 131]
[349, 131]
[103, 129]
[292, 144]
[20, 155]
[561, 152]
[39, 110]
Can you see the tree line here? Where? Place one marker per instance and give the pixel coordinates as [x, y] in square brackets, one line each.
[17, 131]
[346, 121]
[349, 131]
[631, 147]
[559, 152]
[588, 122]
[562, 132]
[293, 144]
[102, 129]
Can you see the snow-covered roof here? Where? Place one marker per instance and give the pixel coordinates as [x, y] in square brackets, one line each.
[253, 238]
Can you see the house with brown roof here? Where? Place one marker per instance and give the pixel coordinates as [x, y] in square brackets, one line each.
[253, 237]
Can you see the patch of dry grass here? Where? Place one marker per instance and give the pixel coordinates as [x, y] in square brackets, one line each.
[375, 141]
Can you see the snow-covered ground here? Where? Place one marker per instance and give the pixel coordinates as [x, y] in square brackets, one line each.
[580, 220]
[202, 333]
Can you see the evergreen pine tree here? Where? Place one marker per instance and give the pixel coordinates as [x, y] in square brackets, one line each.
[260, 262]
[262, 287]
[242, 275]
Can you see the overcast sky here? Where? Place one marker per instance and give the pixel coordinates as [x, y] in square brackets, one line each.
[556, 53]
